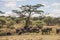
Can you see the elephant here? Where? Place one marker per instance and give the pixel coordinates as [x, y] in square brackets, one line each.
[57, 31]
[46, 30]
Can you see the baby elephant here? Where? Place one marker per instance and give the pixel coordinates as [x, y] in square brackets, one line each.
[57, 31]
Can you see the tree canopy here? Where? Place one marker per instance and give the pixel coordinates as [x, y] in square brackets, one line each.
[30, 10]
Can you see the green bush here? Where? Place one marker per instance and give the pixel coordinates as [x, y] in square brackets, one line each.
[2, 33]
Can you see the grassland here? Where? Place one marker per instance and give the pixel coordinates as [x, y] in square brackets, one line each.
[31, 37]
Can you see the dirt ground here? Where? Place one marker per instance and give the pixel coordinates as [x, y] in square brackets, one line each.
[31, 37]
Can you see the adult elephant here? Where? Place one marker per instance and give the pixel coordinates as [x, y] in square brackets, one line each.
[46, 30]
[36, 29]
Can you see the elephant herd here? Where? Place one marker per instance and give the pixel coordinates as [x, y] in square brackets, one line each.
[36, 29]
[30, 29]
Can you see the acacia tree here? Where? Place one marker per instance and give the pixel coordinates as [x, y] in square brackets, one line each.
[30, 10]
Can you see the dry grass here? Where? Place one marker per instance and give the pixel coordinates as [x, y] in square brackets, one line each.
[31, 37]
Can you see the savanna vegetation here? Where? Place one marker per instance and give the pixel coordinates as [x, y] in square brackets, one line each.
[28, 24]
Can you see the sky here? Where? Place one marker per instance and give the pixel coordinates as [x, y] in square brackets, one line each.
[50, 6]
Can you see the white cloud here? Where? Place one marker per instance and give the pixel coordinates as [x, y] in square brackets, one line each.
[54, 9]
[52, 6]
[55, 5]
[55, 13]
[21, 0]
[9, 13]
[14, 0]
[7, 0]
[11, 5]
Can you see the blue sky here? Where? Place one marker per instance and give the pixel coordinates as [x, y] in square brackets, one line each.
[51, 6]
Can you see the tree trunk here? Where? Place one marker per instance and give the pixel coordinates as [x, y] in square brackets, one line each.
[28, 20]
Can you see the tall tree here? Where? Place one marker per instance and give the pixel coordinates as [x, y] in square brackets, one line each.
[30, 10]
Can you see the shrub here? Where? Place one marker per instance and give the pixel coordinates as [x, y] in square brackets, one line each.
[2, 33]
